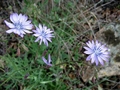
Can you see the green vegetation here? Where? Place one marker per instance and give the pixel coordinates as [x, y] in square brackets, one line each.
[23, 67]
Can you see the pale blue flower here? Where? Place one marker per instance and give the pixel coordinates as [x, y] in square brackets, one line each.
[97, 53]
[20, 25]
[48, 62]
[43, 34]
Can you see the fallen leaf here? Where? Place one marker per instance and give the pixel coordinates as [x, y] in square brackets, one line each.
[25, 48]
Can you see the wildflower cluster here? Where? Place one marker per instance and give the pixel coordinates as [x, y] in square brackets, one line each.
[20, 25]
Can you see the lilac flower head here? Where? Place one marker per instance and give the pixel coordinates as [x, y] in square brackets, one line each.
[43, 34]
[97, 52]
[20, 25]
[48, 62]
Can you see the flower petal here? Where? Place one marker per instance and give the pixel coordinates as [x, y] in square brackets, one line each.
[37, 40]
[88, 52]
[27, 26]
[96, 60]
[40, 27]
[10, 31]
[49, 39]
[88, 58]
[10, 25]
[101, 61]
[22, 18]
[14, 17]
[27, 31]
[26, 23]
[104, 58]
[49, 58]
[45, 41]
[21, 35]
[36, 35]
[88, 49]
[17, 32]
[93, 58]
[40, 41]
[90, 45]
[45, 61]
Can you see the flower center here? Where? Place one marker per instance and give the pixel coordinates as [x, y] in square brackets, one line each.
[43, 34]
[18, 26]
[97, 51]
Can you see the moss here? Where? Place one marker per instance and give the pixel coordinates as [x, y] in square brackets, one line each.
[117, 57]
[110, 38]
